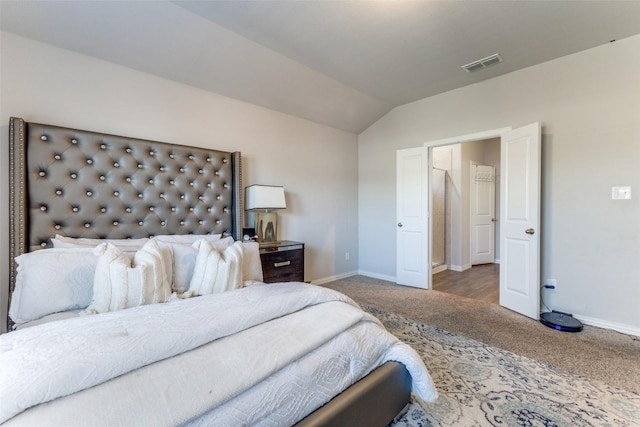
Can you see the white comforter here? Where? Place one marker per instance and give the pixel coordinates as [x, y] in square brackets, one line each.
[232, 336]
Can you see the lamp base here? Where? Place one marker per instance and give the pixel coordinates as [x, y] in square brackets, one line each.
[267, 226]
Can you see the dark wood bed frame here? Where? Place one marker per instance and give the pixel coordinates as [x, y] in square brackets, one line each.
[87, 184]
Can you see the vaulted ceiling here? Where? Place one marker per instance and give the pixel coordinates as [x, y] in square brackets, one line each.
[340, 63]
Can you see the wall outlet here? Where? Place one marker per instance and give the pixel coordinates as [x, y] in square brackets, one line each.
[551, 284]
[346, 256]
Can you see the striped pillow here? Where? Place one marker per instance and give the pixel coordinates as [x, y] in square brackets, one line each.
[118, 285]
[216, 270]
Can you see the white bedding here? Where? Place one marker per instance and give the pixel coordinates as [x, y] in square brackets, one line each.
[111, 357]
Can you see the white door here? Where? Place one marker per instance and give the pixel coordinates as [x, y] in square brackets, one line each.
[482, 204]
[520, 220]
[412, 268]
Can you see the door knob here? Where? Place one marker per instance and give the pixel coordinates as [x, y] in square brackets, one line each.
[399, 224]
[530, 231]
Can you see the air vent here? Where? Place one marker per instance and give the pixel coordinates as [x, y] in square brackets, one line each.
[482, 63]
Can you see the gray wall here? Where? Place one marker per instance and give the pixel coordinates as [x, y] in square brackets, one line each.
[589, 107]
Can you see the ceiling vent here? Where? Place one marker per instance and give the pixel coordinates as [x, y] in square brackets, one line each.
[482, 63]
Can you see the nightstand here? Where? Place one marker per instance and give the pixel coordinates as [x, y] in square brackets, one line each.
[282, 261]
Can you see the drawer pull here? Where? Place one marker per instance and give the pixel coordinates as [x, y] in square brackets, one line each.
[281, 264]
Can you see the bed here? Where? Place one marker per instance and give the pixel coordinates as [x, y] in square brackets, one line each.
[162, 351]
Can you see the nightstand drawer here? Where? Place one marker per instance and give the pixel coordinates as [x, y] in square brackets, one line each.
[283, 264]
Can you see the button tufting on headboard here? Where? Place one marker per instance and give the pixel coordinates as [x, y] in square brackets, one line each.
[104, 186]
[86, 184]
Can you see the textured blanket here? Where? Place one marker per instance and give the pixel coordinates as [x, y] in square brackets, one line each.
[93, 353]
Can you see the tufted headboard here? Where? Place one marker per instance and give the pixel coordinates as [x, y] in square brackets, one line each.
[85, 184]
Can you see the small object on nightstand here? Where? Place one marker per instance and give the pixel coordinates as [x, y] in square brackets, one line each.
[249, 234]
[282, 261]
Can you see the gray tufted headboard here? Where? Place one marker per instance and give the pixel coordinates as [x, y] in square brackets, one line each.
[86, 184]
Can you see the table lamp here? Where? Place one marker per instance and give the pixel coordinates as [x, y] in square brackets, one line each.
[263, 201]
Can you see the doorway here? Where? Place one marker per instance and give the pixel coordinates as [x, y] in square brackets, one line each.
[462, 225]
[520, 168]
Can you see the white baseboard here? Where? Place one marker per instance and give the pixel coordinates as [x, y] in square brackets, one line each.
[324, 280]
[438, 269]
[496, 261]
[460, 268]
[377, 276]
[605, 324]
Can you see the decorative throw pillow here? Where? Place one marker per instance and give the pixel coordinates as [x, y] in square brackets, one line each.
[117, 285]
[216, 271]
[51, 281]
[183, 261]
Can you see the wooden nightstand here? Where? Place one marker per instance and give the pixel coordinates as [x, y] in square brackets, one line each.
[282, 261]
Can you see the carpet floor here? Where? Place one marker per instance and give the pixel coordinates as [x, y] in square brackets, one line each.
[480, 385]
[597, 354]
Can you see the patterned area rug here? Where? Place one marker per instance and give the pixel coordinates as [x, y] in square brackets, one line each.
[480, 385]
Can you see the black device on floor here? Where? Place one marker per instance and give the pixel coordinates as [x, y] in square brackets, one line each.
[560, 321]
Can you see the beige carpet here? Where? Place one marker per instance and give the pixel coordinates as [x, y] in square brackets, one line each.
[603, 355]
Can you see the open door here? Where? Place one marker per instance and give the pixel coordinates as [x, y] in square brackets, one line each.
[520, 220]
[412, 266]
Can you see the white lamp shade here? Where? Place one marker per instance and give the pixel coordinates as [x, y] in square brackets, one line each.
[264, 197]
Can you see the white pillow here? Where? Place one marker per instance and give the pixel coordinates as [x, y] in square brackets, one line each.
[183, 259]
[117, 285]
[125, 245]
[251, 264]
[50, 281]
[187, 239]
[216, 271]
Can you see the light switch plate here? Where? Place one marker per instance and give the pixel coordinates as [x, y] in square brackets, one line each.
[621, 193]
